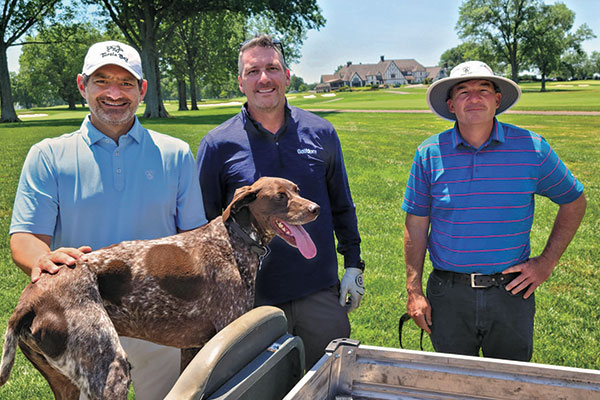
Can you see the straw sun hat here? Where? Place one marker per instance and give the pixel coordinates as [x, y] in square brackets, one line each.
[438, 92]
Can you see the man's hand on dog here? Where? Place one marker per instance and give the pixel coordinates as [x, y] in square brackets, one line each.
[52, 261]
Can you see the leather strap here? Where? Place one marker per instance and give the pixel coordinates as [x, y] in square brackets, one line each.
[256, 246]
[477, 281]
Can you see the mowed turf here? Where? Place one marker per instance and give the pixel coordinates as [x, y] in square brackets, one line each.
[378, 150]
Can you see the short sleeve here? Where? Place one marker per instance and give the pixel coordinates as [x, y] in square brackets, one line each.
[36, 202]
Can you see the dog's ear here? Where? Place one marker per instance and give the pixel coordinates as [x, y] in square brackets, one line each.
[241, 198]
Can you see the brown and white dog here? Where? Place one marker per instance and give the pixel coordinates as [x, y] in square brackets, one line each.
[177, 291]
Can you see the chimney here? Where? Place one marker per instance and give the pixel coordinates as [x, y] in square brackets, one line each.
[382, 58]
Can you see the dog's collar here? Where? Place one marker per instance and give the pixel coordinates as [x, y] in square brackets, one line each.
[255, 245]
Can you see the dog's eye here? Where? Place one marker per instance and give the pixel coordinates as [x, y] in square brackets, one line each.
[281, 196]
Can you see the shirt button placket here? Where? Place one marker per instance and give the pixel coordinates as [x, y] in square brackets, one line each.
[119, 176]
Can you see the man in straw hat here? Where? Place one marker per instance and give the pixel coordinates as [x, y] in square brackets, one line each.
[470, 201]
[111, 180]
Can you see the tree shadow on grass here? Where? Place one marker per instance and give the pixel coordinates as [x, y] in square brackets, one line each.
[552, 90]
[212, 119]
[324, 114]
[27, 124]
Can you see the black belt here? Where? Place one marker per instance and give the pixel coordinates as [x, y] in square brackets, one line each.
[475, 280]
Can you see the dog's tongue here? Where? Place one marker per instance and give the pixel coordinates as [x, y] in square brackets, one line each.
[303, 241]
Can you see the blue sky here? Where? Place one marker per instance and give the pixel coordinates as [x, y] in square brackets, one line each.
[361, 31]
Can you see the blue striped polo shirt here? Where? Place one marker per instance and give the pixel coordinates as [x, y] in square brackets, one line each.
[481, 201]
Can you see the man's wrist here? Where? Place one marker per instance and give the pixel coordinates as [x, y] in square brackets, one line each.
[360, 265]
[414, 291]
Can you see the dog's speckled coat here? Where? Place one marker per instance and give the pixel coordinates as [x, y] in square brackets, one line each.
[177, 291]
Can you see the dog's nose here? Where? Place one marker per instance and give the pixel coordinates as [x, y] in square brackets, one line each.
[314, 209]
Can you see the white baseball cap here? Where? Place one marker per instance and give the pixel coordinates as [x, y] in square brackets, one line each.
[112, 52]
[438, 92]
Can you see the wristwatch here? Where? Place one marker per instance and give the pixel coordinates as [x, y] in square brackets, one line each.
[361, 265]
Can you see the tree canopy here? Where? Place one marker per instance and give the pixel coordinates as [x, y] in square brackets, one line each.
[518, 34]
[17, 19]
[205, 49]
[548, 36]
[469, 50]
[48, 68]
[501, 23]
[148, 24]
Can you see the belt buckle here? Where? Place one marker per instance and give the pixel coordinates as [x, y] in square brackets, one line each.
[473, 284]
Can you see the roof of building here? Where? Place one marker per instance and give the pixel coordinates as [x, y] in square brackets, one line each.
[409, 65]
[433, 71]
[347, 72]
[362, 70]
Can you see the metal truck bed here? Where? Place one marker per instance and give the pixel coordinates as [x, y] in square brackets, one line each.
[352, 371]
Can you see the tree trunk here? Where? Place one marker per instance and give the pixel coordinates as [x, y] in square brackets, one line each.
[514, 66]
[514, 62]
[8, 113]
[543, 83]
[154, 104]
[182, 95]
[192, 76]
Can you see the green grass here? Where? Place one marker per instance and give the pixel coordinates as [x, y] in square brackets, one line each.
[378, 150]
[574, 96]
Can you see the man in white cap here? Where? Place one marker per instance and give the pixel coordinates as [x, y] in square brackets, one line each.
[470, 201]
[109, 181]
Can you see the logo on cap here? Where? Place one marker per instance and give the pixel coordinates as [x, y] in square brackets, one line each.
[114, 51]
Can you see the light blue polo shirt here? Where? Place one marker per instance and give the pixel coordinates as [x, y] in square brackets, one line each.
[83, 189]
[480, 202]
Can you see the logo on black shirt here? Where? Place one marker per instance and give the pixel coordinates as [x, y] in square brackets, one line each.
[307, 151]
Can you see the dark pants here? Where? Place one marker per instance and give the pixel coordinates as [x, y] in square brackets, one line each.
[318, 319]
[466, 319]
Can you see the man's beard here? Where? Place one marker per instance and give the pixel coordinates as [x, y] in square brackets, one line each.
[112, 117]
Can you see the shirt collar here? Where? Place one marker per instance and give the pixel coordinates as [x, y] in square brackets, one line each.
[258, 126]
[92, 135]
[497, 135]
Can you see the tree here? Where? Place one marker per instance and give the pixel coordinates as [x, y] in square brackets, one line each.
[147, 23]
[18, 17]
[291, 38]
[500, 22]
[549, 36]
[595, 62]
[223, 90]
[467, 51]
[20, 91]
[205, 48]
[575, 64]
[53, 58]
[295, 83]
